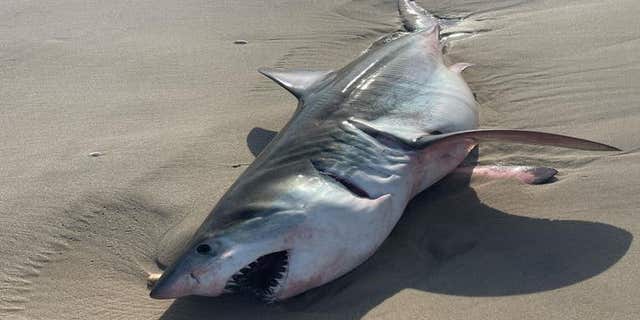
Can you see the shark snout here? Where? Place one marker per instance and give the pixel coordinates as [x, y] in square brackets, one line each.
[174, 285]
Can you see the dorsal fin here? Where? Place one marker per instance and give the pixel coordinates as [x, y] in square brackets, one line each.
[298, 82]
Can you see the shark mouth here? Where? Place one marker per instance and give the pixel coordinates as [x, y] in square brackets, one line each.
[262, 277]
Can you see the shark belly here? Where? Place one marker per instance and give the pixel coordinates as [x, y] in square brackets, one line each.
[356, 189]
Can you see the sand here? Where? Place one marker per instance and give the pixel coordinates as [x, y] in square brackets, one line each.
[121, 120]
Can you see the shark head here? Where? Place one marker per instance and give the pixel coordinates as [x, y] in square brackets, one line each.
[308, 238]
[250, 256]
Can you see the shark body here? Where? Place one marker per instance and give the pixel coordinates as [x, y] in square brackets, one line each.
[328, 190]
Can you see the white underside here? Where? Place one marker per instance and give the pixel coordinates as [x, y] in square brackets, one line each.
[345, 230]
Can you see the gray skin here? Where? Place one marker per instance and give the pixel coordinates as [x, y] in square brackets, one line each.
[333, 183]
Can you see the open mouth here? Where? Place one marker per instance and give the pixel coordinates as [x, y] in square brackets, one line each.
[262, 277]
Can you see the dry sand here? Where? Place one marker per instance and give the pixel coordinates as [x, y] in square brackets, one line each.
[160, 90]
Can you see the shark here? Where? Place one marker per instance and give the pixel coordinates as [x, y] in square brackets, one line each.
[330, 187]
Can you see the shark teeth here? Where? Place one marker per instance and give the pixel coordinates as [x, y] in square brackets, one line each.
[263, 277]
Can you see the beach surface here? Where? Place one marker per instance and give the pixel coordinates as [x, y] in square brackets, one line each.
[124, 121]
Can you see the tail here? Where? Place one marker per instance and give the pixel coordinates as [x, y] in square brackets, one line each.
[415, 18]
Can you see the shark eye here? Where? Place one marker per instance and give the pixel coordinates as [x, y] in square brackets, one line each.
[203, 248]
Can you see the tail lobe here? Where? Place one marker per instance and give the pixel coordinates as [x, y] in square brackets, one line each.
[414, 17]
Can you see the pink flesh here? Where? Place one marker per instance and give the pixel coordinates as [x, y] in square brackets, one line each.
[435, 162]
[528, 175]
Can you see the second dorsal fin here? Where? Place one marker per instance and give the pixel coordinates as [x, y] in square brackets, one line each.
[296, 81]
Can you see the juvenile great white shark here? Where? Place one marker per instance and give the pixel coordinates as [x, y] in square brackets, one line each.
[328, 190]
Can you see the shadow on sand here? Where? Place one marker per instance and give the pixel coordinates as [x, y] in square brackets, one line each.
[447, 242]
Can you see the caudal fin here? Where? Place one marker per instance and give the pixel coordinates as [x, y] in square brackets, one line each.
[414, 17]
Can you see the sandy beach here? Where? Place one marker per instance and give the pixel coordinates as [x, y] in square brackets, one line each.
[123, 122]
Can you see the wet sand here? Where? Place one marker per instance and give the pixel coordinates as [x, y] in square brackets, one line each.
[121, 121]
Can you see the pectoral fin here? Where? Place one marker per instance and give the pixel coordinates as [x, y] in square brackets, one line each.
[481, 135]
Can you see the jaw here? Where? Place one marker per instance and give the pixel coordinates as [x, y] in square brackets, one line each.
[264, 277]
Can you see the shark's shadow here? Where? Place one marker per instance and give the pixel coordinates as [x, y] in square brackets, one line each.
[447, 242]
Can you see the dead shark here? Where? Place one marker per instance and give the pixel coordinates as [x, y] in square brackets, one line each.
[326, 192]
